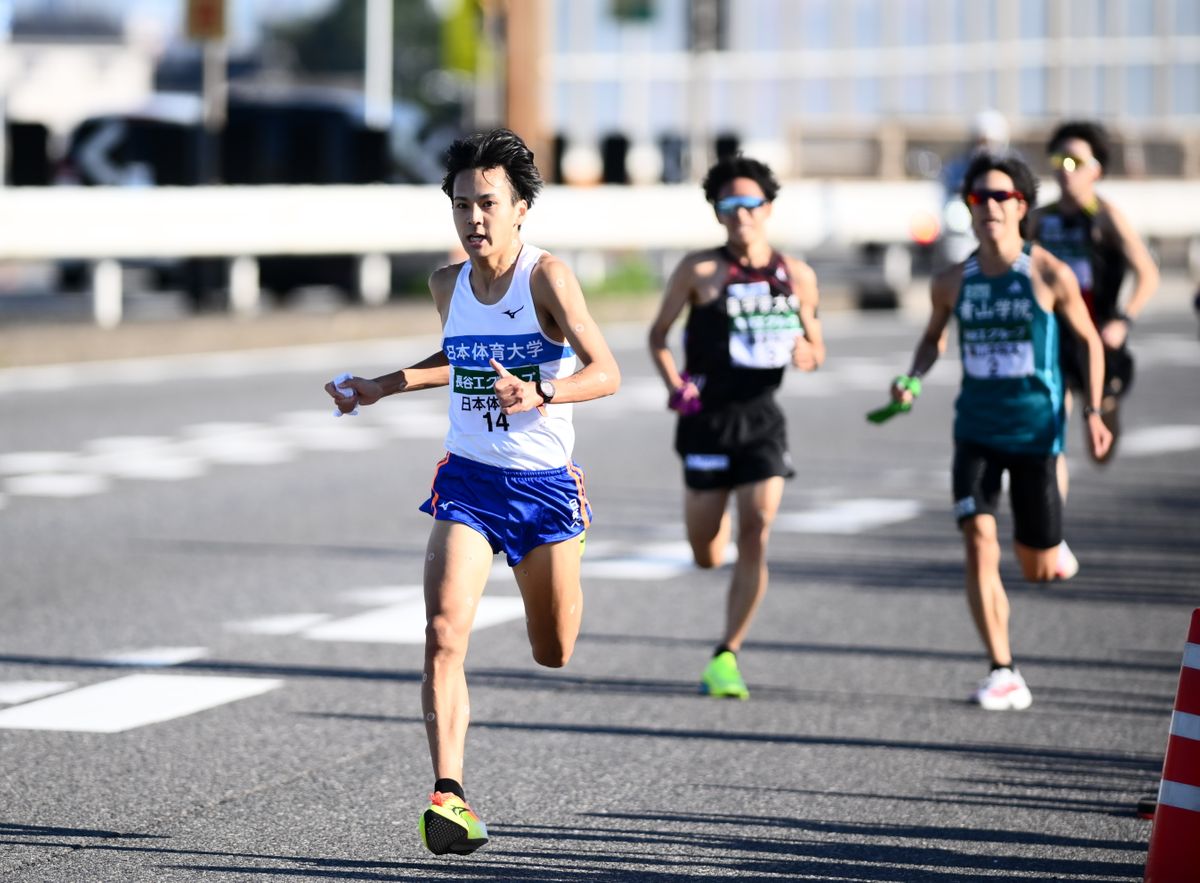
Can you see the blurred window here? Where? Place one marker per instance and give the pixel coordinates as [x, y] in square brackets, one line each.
[1032, 25]
[818, 96]
[817, 25]
[1085, 18]
[914, 94]
[914, 22]
[868, 17]
[1187, 89]
[1139, 90]
[867, 96]
[1083, 87]
[1187, 17]
[1139, 18]
[1032, 91]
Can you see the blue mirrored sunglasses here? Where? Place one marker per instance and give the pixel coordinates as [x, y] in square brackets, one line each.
[730, 204]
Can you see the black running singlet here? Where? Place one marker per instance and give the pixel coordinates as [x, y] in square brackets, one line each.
[737, 346]
[1076, 239]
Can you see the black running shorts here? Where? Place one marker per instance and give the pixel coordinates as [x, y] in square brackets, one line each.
[738, 444]
[1032, 491]
[1072, 356]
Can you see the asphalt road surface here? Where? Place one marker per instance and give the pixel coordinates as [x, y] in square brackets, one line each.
[210, 639]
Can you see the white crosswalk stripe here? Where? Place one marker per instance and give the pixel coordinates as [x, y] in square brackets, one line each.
[130, 702]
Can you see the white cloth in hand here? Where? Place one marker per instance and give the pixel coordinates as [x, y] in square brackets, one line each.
[339, 384]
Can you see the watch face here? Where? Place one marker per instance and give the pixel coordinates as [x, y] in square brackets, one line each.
[546, 388]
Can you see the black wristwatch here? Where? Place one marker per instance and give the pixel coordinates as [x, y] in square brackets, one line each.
[1088, 410]
[546, 390]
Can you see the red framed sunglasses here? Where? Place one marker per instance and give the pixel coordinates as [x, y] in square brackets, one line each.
[979, 197]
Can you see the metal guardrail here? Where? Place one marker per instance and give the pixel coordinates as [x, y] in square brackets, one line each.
[241, 224]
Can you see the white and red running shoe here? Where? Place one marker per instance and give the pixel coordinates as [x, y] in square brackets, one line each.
[1003, 690]
[1068, 564]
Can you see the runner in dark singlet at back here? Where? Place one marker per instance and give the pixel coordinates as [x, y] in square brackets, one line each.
[1097, 242]
[753, 313]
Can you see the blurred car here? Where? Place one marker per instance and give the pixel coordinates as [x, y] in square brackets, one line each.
[271, 136]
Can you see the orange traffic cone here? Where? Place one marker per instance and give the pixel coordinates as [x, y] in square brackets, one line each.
[1174, 855]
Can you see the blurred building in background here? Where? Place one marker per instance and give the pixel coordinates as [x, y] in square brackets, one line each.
[863, 88]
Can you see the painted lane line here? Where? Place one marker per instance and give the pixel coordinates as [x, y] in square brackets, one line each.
[155, 656]
[849, 516]
[381, 596]
[283, 624]
[149, 465]
[12, 692]
[405, 623]
[334, 436]
[28, 462]
[133, 701]
[1153, 440]
[245, 444]
[126, 444]
[61, 485]
[653, 561]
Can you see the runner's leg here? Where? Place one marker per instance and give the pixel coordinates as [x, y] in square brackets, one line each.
[548, 577]
[457, 562]
[757, 504]
[985, 592]
[708, 525]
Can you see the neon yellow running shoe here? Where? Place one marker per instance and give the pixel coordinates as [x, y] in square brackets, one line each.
[449, 825]
[722, 678]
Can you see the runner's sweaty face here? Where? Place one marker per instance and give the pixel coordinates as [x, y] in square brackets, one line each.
[487, 216]
[994, 218]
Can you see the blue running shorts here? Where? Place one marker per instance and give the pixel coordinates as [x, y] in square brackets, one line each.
[516, 510]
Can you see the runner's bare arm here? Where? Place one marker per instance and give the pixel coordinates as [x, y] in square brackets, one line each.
[676, 297]
[556, 293]
[1069, 305]
[809, 354]
[943, 293]
[1145, 272]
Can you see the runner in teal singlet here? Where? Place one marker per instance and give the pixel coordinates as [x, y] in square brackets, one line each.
[1008, 298]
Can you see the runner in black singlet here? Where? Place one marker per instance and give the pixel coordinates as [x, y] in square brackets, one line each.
[753, 312]
[1099, 244]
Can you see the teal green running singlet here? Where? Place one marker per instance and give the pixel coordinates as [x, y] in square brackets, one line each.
[1012, 389]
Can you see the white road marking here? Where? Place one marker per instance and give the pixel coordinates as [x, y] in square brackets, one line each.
[1154, 440]
[12, 692]
[66, 484]
[334, 437]
[151, 464]
[246, 444]
[653, 561]
[130, 702]
[405, 623]
[28, 462]
[155, 656]
[383, 595]
[849, 516]
[284, 624]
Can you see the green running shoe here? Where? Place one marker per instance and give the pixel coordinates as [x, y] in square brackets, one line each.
[449, 825]
[722, 678]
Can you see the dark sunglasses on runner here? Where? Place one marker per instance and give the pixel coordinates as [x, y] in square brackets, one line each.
[980, 197]
[730, 204]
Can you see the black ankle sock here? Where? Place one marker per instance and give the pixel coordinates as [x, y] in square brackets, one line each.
[1011, 664]
[449, 786]
[724, 648]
